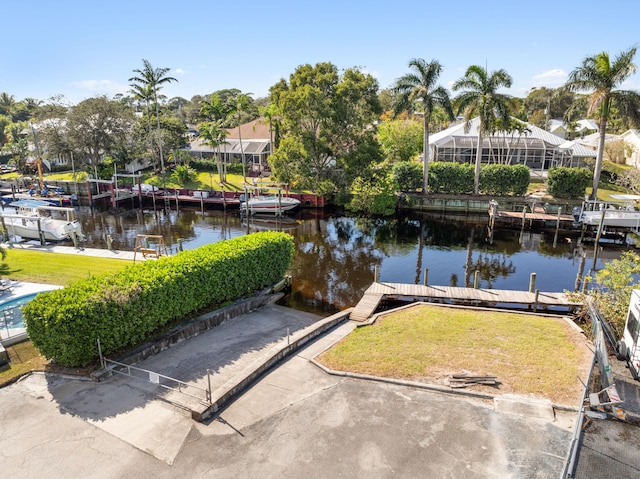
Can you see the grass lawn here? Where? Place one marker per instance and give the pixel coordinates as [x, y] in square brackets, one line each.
[50, 268]
[529, 354]
[55, 268]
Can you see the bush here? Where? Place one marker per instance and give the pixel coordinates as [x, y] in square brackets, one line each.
[408, 175]
[375, 197]
[565, 182]
[125, 308]
[503, 180]
[451, 177]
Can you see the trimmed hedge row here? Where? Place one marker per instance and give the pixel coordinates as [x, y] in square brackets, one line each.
[563, 182]
[451, 177]
[503, 180]
[125, 308]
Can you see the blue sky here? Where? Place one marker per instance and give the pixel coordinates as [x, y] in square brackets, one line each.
[82, 49]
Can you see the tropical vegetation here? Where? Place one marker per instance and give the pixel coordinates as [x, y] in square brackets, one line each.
[601, 76]
[334, 132]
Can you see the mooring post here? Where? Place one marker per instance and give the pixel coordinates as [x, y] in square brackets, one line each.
[532, 282]
[209, 386]
[535, 304]
[476, 279]
[426, 276]
[109, 243]
[376, 273]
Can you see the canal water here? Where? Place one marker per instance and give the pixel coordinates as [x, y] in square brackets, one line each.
[336, 255]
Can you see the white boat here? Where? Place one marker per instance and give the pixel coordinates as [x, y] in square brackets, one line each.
[271, 204]
[31, 220]
[621, 213]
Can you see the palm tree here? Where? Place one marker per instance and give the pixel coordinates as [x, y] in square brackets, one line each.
[237, 106]
[420, 86]
[214, 135]
[601, 77]
[481, 98]
[151, 79]
[144, 93]
[7, 104]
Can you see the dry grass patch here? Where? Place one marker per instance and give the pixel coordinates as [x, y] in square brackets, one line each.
[530, 354]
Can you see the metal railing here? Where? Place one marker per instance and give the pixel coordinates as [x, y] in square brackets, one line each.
[172, 384]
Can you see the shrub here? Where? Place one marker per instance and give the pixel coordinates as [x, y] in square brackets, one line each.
[503, 180]
[125, 308]
[451, 177]
[408, 175]
[565, 182]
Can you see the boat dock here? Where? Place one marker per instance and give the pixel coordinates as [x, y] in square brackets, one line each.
[533, 214]
[535, 301]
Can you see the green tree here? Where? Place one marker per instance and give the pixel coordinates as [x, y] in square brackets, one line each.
[7, 104]
[600, 76]
[613, 285]
[99, 126]
[330, 116]
[407, 175]
[479, 97]
[236, 106]
[420, 87]
[400, 140]
[148, 81]
[215, 136]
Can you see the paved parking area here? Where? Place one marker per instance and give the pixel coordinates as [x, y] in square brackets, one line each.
[296, 421]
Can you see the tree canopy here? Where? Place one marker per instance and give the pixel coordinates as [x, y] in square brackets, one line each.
[327, 117]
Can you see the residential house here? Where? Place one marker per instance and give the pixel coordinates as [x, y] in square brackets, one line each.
[254, 148]
[534, 147]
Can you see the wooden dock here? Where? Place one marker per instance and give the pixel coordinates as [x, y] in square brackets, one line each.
[456, 295]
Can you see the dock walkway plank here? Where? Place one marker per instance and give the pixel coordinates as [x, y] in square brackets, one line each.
[379, 291]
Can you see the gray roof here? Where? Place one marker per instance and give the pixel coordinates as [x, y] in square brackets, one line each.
[534, 138]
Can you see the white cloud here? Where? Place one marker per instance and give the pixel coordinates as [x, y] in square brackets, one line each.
[101, 86]
[180, 71]
[551, 78]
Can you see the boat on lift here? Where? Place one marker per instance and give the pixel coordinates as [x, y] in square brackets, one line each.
[619, 213]
[271, 204]
[32, 220]
[256, 201]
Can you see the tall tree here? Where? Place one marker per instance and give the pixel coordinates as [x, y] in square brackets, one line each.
[419, 90]
[150, 80]
[326, 118]
[239, 104]
[7, 104]
[214, 135]
[479, 97]
[98, 127]
[599, 76]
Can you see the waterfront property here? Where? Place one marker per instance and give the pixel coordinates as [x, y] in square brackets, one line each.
[529, 145]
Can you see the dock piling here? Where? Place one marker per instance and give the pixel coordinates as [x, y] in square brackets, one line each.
[532, 282]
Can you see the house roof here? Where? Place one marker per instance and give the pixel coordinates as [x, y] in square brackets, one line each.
[535, 137]
[593, 139]
[631, 134]
[256, 129]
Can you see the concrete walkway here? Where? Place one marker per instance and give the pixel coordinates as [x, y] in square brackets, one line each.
[97, 252]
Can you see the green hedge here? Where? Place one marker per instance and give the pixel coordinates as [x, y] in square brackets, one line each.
[125, 308]
[450, 177]
[565, 182]
[503, 180]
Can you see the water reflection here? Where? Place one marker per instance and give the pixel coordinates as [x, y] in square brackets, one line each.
[336, 255]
